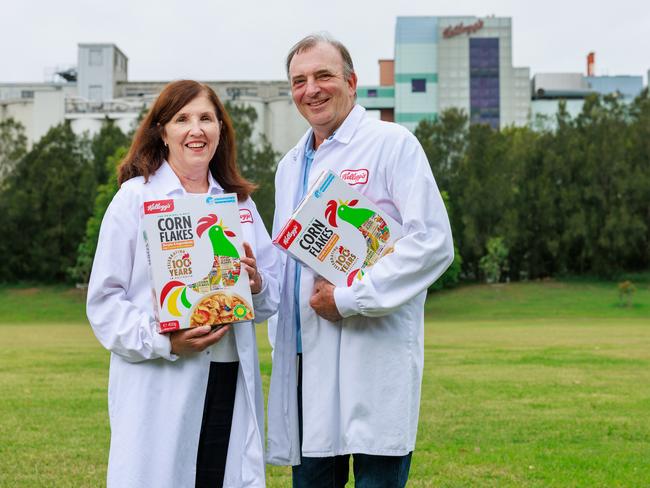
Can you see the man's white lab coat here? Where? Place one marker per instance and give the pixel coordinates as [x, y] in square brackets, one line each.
[362, 375]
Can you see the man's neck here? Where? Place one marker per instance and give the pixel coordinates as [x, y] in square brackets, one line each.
[320, 134]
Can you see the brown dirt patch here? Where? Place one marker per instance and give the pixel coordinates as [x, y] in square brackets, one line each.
[26, 291]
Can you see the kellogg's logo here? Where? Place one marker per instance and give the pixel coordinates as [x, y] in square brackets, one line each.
[245, 216]
[355, 176]
[289, 234]
[158, 206]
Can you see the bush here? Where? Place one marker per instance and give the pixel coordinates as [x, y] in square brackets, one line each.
[495, 262]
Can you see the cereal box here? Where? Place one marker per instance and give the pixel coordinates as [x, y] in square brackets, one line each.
[337, 231]
[194, 246]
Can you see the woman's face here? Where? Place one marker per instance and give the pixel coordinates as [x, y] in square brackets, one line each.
[192, 135]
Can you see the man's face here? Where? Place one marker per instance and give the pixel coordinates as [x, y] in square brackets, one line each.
[320, 91]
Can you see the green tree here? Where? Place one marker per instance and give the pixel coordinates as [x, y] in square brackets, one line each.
[103, 145]
[45, 207]
[80, 272]
[445, 143]
[530, 221]
[135, 123]
[482, 194]
[13, 146]
[451, 277]
[611, 228]
[639, 176]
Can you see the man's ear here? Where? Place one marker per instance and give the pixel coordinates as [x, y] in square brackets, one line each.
[352, 82]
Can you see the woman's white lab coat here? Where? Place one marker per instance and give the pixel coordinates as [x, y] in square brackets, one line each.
[155, 399]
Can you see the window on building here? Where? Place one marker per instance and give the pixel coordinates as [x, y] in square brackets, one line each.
[372, 93]
[95, 93]
[119, 62]
[95, 57]
[418, 85]
[27, 94]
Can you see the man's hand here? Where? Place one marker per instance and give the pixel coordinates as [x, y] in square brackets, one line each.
[322, 300]
[191, 341]
[250, 264]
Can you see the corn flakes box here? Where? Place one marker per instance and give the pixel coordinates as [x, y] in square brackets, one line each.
[337, 231]
[194, 248]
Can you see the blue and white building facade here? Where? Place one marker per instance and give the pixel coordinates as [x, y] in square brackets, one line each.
[462, 62]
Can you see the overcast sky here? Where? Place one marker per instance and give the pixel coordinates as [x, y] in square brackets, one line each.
[247, 40]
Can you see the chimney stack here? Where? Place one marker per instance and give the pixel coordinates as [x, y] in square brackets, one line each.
[591, 63]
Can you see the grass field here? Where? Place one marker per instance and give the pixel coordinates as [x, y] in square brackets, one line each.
[525, 385]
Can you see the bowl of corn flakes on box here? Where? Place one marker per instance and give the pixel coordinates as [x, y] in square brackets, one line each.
[220, 308]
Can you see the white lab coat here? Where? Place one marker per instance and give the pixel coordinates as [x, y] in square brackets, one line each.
[155, 398]
[361, 376]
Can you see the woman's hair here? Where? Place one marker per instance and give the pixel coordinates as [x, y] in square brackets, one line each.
[148, 151]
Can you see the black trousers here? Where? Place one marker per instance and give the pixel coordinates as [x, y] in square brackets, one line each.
[215, 426]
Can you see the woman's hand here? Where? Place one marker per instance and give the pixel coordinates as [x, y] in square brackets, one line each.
[191, 341]
[250, 264]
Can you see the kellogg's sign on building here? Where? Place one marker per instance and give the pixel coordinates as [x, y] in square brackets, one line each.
[457, 30]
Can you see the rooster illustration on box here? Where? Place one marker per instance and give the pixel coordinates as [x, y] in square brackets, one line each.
[225, 271]
[372, 226]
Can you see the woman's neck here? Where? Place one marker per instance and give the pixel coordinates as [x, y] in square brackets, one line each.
[193, 181]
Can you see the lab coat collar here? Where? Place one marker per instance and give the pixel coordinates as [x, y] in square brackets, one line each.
[168, 183]
[349, 126]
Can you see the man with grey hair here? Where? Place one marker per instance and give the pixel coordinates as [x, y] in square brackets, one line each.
[348, 361]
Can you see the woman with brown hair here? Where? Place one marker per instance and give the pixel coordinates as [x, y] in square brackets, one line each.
[185, 408]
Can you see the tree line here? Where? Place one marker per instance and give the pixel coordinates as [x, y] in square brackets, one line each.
[524, 202]
[570, 197]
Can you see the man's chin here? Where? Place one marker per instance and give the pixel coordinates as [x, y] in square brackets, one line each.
[319, 119]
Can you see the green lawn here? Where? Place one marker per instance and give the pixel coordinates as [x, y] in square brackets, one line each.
[526, 385]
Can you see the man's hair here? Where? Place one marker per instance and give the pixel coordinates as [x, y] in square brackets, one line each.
[306, 43]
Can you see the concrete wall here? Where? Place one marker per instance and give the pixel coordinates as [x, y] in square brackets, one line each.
[453, 66]
[21, 110]
[49, 110]
[36, 114]
[100, 67]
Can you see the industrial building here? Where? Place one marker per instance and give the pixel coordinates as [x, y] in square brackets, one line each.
[439, 63]
[99, 88]
[443, 62]
[548, 89]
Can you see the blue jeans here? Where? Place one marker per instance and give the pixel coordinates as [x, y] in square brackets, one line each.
[332, 472]
[369, 471]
